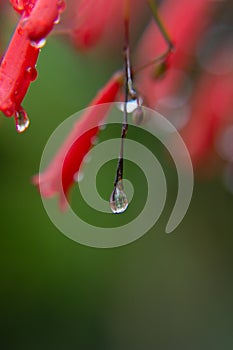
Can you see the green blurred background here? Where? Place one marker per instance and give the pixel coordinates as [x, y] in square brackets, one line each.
[160, 292]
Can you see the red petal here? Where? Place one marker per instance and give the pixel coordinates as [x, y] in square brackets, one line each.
[185, 22]
[59, 175]
[41, 19]
[17, 70]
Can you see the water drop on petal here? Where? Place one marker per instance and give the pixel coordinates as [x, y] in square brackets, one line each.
[57, 20]
[38, 44]
[21, 121]
[20, 31]
[31, 72]
[138, 115]
[118, 199]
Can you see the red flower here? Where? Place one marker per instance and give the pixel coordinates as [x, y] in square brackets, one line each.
[101, 22]
[106, 21]
[185, 22]
[17, 71]
[59, 176]
[17, 68]
[211, 108]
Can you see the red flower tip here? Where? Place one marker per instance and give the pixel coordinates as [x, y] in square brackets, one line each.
[59, 175]
[42, 18]
[17, 68]
[90, 21]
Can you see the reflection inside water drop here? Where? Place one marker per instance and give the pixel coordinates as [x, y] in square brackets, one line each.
[118, 199]
[21, 121]
[38, 44]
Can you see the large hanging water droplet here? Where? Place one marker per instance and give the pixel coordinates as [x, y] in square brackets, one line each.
[21, 121]
[38, 44]
[118, 199]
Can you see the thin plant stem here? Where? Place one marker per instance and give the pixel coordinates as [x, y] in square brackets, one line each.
[161, 58]
[129, 91]
[154, 9]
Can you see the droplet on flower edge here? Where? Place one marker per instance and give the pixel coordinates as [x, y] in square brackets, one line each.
[31, 72]
[38, 44]
[21, 120]
[118, 200]
[57, 20]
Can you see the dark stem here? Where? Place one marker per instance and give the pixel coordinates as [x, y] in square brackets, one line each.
[153, 6]
[129, 92]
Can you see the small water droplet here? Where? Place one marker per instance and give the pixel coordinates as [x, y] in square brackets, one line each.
[57, 20]
[118, 199]
[138, 115]
[31, 73]
[132, 93]
[38, 44]
[131, 105]
[21, 120]
[20, 31]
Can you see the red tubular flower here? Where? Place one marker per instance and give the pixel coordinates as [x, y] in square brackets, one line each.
[212, 106]
[59, 175]
[101, 21]
[185, 22]
[17, 68]
[90, 21]
[42, 18]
